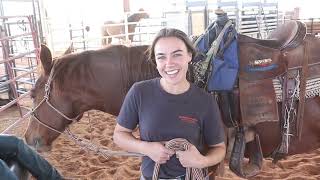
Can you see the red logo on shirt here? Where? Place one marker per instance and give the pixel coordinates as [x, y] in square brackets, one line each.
[188, 119]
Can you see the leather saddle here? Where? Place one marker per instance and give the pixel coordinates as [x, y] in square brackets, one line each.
[260, 62]
[263, 59]
[286, 36]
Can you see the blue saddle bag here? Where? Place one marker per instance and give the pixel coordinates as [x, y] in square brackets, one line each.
[225, 67]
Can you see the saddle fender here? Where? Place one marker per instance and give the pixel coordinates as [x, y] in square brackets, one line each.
[236, 163]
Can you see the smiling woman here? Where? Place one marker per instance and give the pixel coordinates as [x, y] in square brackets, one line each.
[174, 116]
[172, 63]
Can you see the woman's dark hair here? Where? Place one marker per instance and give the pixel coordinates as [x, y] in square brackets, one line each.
[171, 32]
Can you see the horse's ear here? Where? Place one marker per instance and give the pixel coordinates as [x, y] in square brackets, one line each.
[69, 50]
[46, 59]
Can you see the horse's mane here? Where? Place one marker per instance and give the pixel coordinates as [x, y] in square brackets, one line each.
[68, 65]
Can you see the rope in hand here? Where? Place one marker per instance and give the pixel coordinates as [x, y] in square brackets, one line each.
[180, 144]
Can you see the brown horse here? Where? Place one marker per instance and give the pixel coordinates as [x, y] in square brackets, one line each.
[119, 66]
[120, 29]
[100, 79]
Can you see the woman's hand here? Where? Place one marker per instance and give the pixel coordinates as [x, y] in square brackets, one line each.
[191, 158]
[158, 152]
[194, 159]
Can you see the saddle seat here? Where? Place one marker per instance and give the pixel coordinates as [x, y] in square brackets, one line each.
[286, 36]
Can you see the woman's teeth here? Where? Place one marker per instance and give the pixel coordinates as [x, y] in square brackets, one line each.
[172, 72]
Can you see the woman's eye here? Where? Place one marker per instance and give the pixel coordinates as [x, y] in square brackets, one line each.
[160, 57]
[177, 55]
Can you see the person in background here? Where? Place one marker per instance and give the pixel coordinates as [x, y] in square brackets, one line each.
[13, 148]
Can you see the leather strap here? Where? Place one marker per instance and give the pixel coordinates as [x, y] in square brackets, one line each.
[303, 85]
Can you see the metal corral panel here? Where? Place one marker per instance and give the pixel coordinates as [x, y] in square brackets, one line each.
[253, 18]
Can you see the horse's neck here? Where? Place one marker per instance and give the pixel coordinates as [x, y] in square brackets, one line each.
[151, 71]
[107, 79]
[146, 71]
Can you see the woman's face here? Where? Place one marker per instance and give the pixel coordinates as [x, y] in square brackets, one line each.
[172, 58]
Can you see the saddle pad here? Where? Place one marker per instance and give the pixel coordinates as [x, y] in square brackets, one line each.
[257, 102]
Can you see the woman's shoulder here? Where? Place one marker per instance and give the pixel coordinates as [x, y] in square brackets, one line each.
[200, 91]
[201, 94]
[146, 83]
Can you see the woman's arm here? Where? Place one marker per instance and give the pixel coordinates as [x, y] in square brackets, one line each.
[124, 138]
[194, 159]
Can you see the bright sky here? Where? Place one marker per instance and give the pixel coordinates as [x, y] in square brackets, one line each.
[100, 9]
[309, 8]
[103, 10]
[95, 12]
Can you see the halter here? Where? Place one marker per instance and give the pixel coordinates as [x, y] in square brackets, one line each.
[46, 97]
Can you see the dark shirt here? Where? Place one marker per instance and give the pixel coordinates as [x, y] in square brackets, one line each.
[193, 115]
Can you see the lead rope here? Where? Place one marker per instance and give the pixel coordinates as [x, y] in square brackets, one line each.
[180, 144]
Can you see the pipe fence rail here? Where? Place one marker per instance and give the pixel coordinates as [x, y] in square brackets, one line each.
[18, 63]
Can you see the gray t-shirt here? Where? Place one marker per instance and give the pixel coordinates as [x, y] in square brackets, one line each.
[193, 115]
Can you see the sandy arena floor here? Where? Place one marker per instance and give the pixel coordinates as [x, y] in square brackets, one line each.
[75, 163]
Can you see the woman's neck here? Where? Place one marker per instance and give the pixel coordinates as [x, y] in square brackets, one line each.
[175, 88]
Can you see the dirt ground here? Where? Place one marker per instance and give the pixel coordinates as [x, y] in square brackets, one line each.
[76, 163]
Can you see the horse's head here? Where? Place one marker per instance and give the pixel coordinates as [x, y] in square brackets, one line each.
[143, 15]
[46, 122]
[136, 17]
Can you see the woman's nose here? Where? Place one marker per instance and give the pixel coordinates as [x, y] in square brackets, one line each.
[169, 60]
